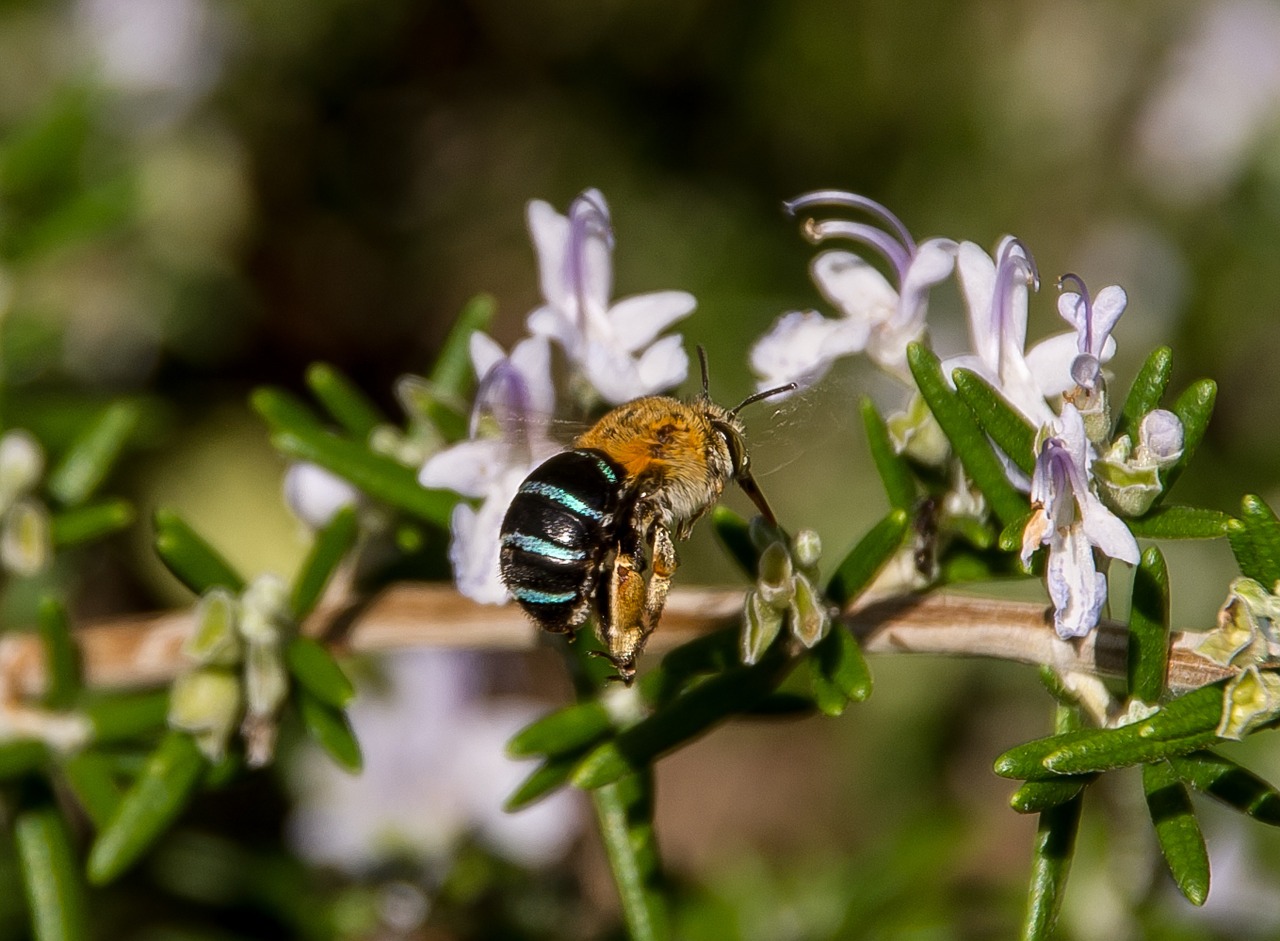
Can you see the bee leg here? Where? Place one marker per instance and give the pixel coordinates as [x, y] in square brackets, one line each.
[621, 630]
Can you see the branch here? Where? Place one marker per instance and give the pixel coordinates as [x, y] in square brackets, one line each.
[146, 650]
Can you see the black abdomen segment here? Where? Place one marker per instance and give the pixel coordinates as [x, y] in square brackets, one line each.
[555, 535]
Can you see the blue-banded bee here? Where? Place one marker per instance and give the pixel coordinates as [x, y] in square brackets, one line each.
[592, 530]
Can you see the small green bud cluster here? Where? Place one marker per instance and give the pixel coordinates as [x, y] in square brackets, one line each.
[1246, 637]
[26, 543]
[239, 675]
[784, 592]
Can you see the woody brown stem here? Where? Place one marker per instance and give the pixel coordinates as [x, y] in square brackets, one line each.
[145, 650]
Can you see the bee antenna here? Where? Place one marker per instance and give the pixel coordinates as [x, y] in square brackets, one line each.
[706, 381]
[767, 393]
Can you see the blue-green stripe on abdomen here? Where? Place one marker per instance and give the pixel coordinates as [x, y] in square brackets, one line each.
[543, 547]
[561, 496]
[535, 596]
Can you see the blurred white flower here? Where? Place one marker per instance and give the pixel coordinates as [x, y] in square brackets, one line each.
[166, 52]
[315, 495]
[1217, 102]
[1070, 519]
[508, 439]
[435, 771]
[878, 317]
[612, 346]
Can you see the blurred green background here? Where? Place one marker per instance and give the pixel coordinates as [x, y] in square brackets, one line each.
[197, 198]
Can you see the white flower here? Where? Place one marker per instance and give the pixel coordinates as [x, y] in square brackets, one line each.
[435, 772]
[1071, 521]
[877, 317]
[611, 345]
[995, 293]
[508, 439]
[315, 495]
[1093, 320]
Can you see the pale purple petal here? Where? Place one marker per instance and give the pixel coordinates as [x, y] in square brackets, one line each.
[1107, 308]
[473, 553]
[638, 319]
[801, 347]
[551, 322]
[1161, 433]
[1049, 361]
[613, 374]
[1077, 589]
[976, 273]
[933, 262]
[531, 357]
[664, 365]
[1106, 530]
[858, 290]
[550, 233]
[485, 353]
[468, 467]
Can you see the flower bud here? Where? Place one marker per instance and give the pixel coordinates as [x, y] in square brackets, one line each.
[761, 623]
[21, 464]
[775, 585]
[809, 619]
[216, 640]
[26, 540]
[315, 495]
[807, 548]
[264, 610]
[265, 681]
[1160, 439]
[1251, 699]
[207, 703]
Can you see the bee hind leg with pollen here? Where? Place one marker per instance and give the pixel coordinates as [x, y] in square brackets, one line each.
[632, 604]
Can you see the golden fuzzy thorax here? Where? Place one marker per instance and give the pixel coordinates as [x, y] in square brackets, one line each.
[672, 450]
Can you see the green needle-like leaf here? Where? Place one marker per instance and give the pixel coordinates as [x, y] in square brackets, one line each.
[350, 407]
[685, 718]
[90, 458]
[50, 874]
[284, 412]
[452, 376]
[625, 814]
[967, 438]
[1223, 779]
[314, 668]
[1051, 864]
[895, 473]
[1035, 797]
[711, 653]
[329, 548]
[1010, 539]
[549, 776]
[376, 475]
[91, 521]
[192, 560]
[865, 560]
[146, 810]
[1177, 830]
[1182, 726]
[90, 776]
[1006, 426]
[122, 717]
[735, 535]
[838, 673]
[61, 655]
[1194, 408]
[1255, 541]
[569, 729]
[1149, 628]
[1147, 390]
[330, 730]
[1180, 522]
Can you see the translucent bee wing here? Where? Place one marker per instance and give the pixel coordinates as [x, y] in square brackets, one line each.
[781, 432]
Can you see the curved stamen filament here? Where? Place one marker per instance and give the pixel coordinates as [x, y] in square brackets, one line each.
[852, 201]
[897, 254]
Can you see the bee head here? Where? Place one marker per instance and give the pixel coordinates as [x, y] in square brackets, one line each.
[725, 421]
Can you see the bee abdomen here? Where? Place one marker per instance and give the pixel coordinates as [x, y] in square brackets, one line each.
[556, 533]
